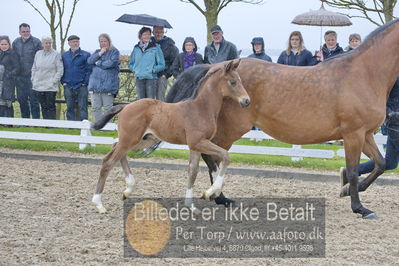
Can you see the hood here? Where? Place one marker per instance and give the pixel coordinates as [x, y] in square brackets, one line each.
[190, 39]
[258, 40]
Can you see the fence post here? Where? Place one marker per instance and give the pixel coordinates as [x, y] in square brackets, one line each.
[85, 131]
[295, 158]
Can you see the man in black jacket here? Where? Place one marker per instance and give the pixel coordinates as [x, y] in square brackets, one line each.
[26, 47]
[170, 52]
[219, 50]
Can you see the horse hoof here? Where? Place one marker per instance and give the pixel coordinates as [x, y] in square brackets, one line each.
[344, 191]
[370, 216]
[196, 211]
[222, 200]
[342, 176]
[203, 195]
[102, 210]
[123, 196]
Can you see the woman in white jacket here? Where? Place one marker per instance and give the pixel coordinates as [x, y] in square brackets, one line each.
[47, 71]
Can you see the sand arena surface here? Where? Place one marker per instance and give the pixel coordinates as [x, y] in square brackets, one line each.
[47, 217]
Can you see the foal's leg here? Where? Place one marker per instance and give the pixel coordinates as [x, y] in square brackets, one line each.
[353, 144]
[213, 170]
[108, 163]
[371, 150]
[207, 147]
[129, 178]
[192, 175]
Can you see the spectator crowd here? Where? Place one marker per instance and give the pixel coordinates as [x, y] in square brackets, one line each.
[31, 70]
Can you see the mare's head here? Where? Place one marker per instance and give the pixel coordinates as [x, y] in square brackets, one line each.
[231, 86]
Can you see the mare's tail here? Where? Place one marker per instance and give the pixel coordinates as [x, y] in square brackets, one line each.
[100, 123]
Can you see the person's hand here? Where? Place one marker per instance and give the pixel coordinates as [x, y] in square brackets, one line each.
[102, 51]
[319, 55]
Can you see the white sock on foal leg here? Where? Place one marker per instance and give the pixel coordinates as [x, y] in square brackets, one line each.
[130, 181]
[189, 197]
[216, 188]
[189, 201]
[97, 200]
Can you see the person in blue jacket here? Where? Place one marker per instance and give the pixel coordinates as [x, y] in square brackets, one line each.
[330, 48]
[258, 47]
[75, 79]
[296, 54]
[146, 61]
[104, 79]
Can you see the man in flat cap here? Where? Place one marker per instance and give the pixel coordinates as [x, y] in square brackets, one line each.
[220, 49]
[75, 79]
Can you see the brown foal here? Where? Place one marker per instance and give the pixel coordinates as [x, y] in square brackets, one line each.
[192, 122]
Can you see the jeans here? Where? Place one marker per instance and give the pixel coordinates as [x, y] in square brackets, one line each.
[99, 100]
[76, 99]
[391, 155]
[28, 102]
[47, 103]
[146, 88]
[6, 111]
[161, 88]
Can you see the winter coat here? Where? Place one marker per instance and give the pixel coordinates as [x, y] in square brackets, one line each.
[170, 51]
[26, 52]
[147, 64]
[305, 58]
[178, 64]
[9, 59]
[331, 53]
[76, 69]
[105, 75]
[47, 71]
[393, 99]
[261, 56]
[227, 51]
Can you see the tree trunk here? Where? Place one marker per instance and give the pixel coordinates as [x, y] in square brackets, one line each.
[211, 16]
[388, 6]
[211, 19]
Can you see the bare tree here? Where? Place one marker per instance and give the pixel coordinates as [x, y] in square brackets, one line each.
[55, 19]
[211, 9]
[376, 11]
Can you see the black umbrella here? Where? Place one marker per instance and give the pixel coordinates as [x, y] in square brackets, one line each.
[144, 19]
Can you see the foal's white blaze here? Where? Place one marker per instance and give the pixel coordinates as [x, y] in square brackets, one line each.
[97, 200]
[130, 181]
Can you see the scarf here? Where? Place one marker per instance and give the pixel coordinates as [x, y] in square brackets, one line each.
[189, 60]
[143, 45]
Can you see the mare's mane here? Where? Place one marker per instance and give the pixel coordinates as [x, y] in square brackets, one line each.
[187, 83]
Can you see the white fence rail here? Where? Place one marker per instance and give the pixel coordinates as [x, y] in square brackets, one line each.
[85, 138]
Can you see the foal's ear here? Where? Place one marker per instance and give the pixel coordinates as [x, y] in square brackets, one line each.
[232, 65]
[229, 67]
[236, 63]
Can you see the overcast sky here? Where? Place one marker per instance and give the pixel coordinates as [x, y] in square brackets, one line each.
[240, 22]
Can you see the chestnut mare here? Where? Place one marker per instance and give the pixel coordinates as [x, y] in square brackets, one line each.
[342, 98]
[191, 122]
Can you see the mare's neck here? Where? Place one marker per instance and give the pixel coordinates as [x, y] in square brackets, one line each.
[382, 57]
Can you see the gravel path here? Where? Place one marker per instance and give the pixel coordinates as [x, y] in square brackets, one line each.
[47, 217]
